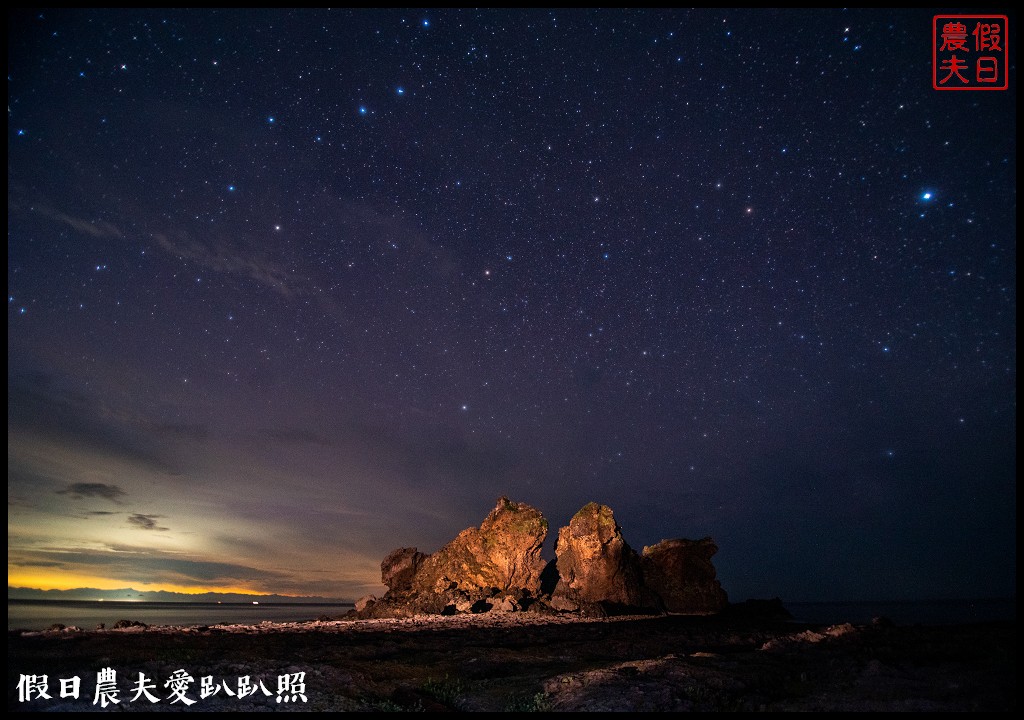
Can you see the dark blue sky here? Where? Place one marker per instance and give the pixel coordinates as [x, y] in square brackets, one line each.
[287, 290]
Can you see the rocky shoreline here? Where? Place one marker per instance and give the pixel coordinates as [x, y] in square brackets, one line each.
[528, 661]
[485, 624]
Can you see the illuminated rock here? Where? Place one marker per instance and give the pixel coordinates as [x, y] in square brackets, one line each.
[503, 554]
[596, 564]
[495, 566]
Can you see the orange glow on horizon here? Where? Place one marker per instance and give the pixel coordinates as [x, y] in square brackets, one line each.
[74, 581]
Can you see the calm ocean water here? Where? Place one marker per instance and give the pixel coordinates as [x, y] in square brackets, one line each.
[87, 614]
[931, 612]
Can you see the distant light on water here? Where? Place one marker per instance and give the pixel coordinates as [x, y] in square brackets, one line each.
[87, 614]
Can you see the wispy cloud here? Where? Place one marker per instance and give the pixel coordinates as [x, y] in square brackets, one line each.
[38, 409]
[221, 256]
[94, 490]
[146, 522]
[95, 228]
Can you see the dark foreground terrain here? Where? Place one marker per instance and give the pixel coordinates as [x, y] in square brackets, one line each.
[521, 662]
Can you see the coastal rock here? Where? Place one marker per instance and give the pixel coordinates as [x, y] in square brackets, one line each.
[595, 564]
[497, 565]
[504, 605]
[399, 568]
[364, 602]
[123, 624]
[503, 554]
[681, 574]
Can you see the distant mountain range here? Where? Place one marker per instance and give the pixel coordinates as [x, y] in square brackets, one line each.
[20, 593]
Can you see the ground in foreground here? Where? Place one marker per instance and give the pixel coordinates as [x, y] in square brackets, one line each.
[521, 662]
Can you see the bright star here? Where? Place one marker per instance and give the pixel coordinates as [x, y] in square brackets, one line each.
[400, 91]
[362, 109]
[926, 195]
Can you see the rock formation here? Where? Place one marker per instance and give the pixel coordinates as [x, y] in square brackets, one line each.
[502, 554]
[497, 567]
[596, 564]
[681, 574]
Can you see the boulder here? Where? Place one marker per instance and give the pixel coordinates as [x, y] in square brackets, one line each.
[595, 564]
[681, 574]
[364, 602]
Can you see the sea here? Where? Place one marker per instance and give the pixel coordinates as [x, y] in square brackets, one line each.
[916, 612]
[87, 614]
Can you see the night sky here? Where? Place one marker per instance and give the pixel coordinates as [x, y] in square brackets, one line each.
[287, 290]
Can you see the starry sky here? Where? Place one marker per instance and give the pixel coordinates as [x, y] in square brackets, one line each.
[290, 289]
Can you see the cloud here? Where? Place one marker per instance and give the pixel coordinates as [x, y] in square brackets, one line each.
[93, 228]
[222, 256]
[146, 522]
[38, 409]
[91, 490]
